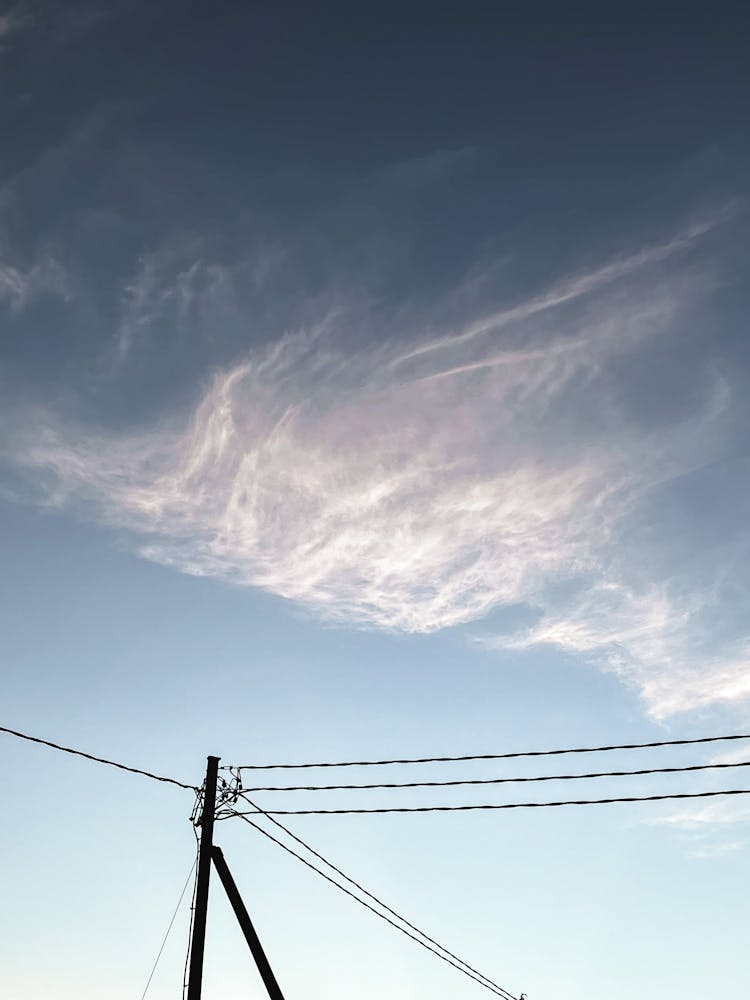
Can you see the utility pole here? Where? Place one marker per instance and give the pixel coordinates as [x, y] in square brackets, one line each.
[198, 941]
[243, 917]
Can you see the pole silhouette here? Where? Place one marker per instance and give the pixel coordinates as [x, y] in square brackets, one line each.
[198, 941]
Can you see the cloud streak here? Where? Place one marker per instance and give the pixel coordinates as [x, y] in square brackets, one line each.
[567, 291]
[417, 489]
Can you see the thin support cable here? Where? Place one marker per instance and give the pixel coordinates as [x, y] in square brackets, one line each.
[192, 902]
[366, 892]
[497, 991]
[169, 928]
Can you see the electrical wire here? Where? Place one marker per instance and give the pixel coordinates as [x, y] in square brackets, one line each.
[97, 760]
[498, 991]
[490, 756]
[503, 805]
[362, 889]
[495, 781]
[169, 928]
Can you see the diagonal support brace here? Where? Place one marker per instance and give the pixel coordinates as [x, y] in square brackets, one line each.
[243, 918]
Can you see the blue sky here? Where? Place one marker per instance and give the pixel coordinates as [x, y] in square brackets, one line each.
[373, 382]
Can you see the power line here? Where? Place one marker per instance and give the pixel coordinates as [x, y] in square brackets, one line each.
[495, 781]
[366, 892]
[169, 928]
[504, 805]
[490, 756]
[498, 991]
[97, 760]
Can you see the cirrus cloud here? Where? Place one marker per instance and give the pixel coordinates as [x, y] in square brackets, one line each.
[418, 483]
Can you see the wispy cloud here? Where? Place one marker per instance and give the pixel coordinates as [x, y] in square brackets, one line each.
[15, 19]
[59, 20]
[432, 168]
[652, 638]
[18, 286]
[175, 285]
[564, 292]
[712, 830]
[418, 487]
[159, 285]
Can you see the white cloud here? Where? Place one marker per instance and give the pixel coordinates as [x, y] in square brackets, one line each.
[712, 829]
[715, 813]
[741, 752]
[418, 488]
[649, 637]
[18, 286]
[717, 848]
[13, 284]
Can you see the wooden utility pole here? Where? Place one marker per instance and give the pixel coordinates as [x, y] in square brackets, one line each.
[197, 943]
[243, 917]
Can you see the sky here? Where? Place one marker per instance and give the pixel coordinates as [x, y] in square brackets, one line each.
[374, 383]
